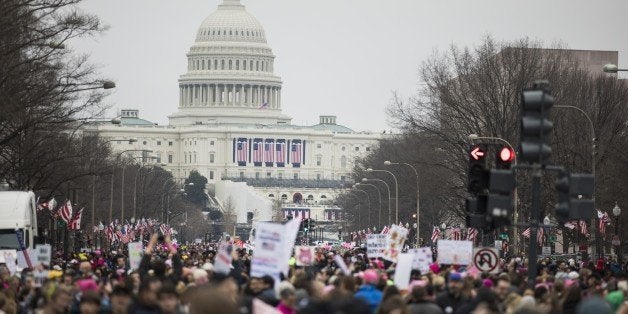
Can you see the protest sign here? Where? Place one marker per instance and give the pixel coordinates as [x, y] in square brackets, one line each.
[422, 258]
[455, 252]
[43, 254]
[273, 248]
[21, 260]
[376, 245]
[396, 237]
[341, 263]
[135, 254]
[222, 264]
[304, 255]
[403, 269]
[9, 257]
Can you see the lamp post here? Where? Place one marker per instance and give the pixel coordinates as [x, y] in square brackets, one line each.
[443, 227]
[368, 199]
[379, 196]
[387, 189]
[617, 213]
[144, 151]
[137, 175]
[113, 174]
[418, 214]
[612, 68]
[474, 137]
[546, 222]
[396, 191]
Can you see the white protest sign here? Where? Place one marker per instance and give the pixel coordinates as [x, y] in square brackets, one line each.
[341, 263]
[455, 252]
[135, 254]
[304, 255]
[44, 254]
[403, 269]
[376, 245]
[9, 257]
[291, 228]
[222, 264]
[422, 258]
[269, 255]
[396, 237]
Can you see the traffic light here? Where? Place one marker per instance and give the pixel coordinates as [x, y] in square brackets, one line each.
[477, 186]
[505, 157]
[536, 128]
[478, 172]
[574, 191]
[500, 201]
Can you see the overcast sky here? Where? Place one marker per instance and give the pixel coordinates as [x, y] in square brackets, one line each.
[336, 57]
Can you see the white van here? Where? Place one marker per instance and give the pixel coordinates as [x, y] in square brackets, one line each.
[17, 211]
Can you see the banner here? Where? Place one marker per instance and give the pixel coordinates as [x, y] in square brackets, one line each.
[455, 252]
[396, 237]
[376, 245]
[9, 257]
[135, 254]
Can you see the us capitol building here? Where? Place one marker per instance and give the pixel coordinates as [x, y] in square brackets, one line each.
[229, 126]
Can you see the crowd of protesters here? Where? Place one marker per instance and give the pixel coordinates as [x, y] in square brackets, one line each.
[181, 279]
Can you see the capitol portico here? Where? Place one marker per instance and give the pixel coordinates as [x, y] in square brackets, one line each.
[229, 126]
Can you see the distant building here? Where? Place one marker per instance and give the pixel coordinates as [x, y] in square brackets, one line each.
[229, 126]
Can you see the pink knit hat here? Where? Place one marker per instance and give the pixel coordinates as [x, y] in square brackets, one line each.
[370, 276]
[435, 268]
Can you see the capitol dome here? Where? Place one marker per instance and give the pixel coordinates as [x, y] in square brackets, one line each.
[230, 76]
[231, 22]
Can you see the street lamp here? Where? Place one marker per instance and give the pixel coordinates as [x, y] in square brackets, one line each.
[368, 200]
[443, 226]
[144, 151]
[612, 68]
[387, 189]
[103, 85]
[113, 173]
[418, 214]
[379, 195]
[396, 191]
[617, 213]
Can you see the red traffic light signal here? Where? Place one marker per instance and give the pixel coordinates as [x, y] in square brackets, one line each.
[506, 154]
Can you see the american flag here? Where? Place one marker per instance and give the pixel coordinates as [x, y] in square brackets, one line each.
[472, 234]
[165, 229]
[50, 205]
[242, 151]
[258, 154]
[435, 234]
[75, 224]
[268, 152]
[295, 154]
[385, 230]
[526, 233]
[583, 227]
[455, 234]
[540, 236]
[281, 152]
[66, 212]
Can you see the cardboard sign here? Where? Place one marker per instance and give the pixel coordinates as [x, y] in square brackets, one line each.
[396, 237]
[376, 245]
[135, 254]
[455, 252]
[304, 255]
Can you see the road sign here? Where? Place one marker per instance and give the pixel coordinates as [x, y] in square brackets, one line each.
[486, 259]
[547, 250]
[477, 153]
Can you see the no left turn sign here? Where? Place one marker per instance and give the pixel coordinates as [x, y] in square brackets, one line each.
[486, 259]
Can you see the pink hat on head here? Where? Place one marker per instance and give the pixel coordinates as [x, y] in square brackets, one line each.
[487, 283]
[370, 276]
[434, 268]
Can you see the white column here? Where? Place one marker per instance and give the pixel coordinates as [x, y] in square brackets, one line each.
[180, 96]
[250, 96]
[279, 98]
[216, 94]
[241, 94]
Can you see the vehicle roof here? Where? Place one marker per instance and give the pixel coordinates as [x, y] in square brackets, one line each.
[15, 208]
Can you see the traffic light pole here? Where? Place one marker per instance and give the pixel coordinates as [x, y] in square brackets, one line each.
[535, 212]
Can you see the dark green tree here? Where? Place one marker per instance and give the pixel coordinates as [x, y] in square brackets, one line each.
[195, 188]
